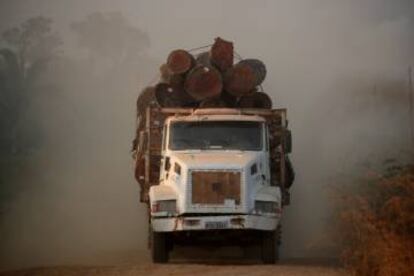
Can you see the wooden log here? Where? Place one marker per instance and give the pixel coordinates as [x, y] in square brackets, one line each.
[164, 93]
[244, 76]
[256, 100]
[230, 100]
[177, 80]
[239, 80]
[168, 95]
[204, 59]
[180, 62]
[165, 73]
[203, 82]
[168, 77]
[258, 68]
[222, 55]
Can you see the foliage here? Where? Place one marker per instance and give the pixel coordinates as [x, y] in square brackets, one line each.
[34, 42]
[376, 225]
[31, 47]
[110, 36]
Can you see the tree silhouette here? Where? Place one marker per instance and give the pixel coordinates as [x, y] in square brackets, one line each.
[31, 47]
[34, 43]
[110, 36]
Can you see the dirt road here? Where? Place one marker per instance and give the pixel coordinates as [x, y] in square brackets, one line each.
[284, 268]
[194, 261]
[190, 270]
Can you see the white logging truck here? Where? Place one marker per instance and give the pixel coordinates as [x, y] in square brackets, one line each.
[212, 170]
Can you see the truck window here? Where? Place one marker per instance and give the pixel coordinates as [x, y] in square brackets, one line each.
[216, 135]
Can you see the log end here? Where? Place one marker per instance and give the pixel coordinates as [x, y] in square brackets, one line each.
[222, 54]
[180, 62]
[239, 80]
[256, 100]
[203, 82]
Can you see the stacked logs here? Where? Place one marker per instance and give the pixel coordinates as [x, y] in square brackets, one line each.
[209, 79]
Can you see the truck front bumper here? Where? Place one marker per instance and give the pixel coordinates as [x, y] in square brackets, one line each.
[194, 223]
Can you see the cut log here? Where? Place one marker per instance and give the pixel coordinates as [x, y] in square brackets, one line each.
[203, 82]
[256, 100]
[165, 95]
[180, 62]
[168, 77]
[204, 59]
[165, 73]
[222, 54]
[230, 100]
[168, 95]
[239, 80]
[258, 68]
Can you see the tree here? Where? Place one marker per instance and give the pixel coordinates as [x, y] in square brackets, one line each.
[110, 36]
[32, 46]
[10, 98]
[34, 43]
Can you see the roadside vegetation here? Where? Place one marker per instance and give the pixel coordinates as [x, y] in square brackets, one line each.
[376, 224]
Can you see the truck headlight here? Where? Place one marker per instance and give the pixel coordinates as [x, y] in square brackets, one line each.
[266, 207]
[169, 206]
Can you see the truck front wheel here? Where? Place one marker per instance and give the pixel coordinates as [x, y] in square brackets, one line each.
[159, 247]
[270, 247]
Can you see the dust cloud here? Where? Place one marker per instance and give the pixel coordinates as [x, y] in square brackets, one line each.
[339, 67]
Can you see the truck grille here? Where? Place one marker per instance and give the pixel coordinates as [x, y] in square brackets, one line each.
[214, 187]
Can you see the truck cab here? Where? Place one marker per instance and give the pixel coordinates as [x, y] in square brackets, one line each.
[217, 179]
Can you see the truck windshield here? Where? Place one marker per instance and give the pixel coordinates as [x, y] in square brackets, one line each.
[216, 135]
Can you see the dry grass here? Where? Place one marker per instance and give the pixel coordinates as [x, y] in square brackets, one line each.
[376, 225]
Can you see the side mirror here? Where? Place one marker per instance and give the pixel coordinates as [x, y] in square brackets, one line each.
[288, 141]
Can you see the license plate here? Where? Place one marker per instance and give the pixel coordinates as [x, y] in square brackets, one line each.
[216, 224]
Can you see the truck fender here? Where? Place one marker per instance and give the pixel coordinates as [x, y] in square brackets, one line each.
[162, 192]
[269, 193]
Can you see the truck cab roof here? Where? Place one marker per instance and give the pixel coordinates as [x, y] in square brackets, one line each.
[214, 114]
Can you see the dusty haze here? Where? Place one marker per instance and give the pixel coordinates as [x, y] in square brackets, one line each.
[339, 67]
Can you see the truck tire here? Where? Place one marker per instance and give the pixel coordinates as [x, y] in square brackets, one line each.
[159, 247]
[270, 247]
